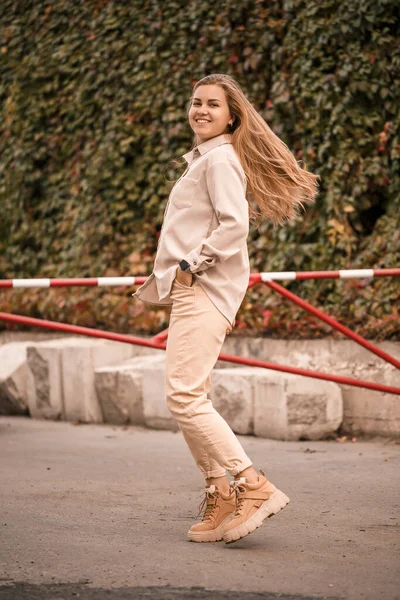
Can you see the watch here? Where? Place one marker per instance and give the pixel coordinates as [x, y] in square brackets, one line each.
[184, 265]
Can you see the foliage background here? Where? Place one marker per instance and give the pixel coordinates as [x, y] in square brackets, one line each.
[93, 97]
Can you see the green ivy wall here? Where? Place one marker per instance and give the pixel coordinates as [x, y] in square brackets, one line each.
[93, 97]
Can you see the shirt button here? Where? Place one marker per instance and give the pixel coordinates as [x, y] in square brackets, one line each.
[194, 262]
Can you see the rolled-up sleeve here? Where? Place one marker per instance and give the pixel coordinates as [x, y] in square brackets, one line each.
[226, 185]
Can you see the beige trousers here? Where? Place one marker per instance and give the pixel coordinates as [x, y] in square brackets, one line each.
[196, 334]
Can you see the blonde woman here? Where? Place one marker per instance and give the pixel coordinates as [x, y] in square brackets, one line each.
[202, 269]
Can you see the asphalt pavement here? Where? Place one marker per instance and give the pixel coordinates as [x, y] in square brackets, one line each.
[98, 512]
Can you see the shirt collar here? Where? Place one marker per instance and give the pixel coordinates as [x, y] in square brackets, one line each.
[224, 138]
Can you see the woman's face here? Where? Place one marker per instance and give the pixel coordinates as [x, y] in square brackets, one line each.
[210, 104]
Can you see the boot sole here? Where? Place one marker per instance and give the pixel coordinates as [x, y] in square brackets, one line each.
[215, 535]
[269, 508]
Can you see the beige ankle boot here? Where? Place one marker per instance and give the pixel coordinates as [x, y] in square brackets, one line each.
[255, 502]
[218, 511]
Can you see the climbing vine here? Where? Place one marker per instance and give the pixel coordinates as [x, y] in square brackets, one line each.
[93, 97]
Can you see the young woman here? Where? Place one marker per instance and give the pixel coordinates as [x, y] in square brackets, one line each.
[202, 269]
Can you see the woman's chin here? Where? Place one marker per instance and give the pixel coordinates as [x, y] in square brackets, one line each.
[204, 134]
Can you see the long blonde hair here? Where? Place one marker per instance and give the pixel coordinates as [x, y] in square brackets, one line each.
[276, 181]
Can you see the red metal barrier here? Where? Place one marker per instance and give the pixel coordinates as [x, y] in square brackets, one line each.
[332, 322]
[118, 281]
[267, 278]
[155, 342]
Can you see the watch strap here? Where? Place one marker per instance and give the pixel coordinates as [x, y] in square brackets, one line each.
[184, 265]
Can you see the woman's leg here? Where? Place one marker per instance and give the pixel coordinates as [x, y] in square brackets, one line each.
[195, 336]
[250, 473]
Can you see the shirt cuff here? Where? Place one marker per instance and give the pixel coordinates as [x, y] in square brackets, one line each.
[194, 261]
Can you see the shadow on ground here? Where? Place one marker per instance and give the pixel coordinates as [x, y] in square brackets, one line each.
[71, 591]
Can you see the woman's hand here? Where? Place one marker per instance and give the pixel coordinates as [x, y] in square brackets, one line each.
[231, 327]
[187, 279]
[184, 277]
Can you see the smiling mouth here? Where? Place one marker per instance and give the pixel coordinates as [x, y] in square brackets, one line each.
[201, 121]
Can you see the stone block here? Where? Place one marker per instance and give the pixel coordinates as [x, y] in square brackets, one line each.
[364, 411]
[45, 399]
[63, 376]
[119, 392]
[293, 407]
[232, 393]
[134, 392]
[14, 379]
[370, 412]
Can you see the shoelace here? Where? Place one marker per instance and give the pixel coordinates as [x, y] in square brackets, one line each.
[239, 488]
[210, 506]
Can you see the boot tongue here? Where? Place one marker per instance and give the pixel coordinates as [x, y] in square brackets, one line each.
[241, 480]
[211, 489]
[236, 482]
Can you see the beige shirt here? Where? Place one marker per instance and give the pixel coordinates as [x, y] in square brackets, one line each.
[206, 222]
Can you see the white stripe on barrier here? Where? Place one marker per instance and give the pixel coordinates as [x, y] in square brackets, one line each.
[348, 274]
[31, 283]
[116, 280]
[267, 276]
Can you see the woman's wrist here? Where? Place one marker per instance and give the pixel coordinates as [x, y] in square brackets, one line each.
[186, 273]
